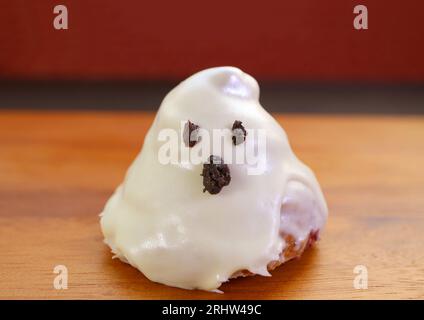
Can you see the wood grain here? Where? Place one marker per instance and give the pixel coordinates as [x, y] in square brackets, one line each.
[57, 169]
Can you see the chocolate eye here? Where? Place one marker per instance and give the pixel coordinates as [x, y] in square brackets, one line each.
[190, 134]
[239, 132]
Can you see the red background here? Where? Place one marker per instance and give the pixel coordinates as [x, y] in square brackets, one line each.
[303, 40]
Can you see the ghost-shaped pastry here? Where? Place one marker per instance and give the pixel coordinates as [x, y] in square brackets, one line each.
[192, 223]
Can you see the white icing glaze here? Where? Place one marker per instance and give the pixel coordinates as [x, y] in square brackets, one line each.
[161, 222]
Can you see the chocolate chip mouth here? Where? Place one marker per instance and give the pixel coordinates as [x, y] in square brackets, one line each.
[216, 175]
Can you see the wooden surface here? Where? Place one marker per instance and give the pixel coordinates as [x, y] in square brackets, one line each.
[58, 169]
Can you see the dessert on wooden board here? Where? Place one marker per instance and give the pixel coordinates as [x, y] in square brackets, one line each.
[216, 191]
